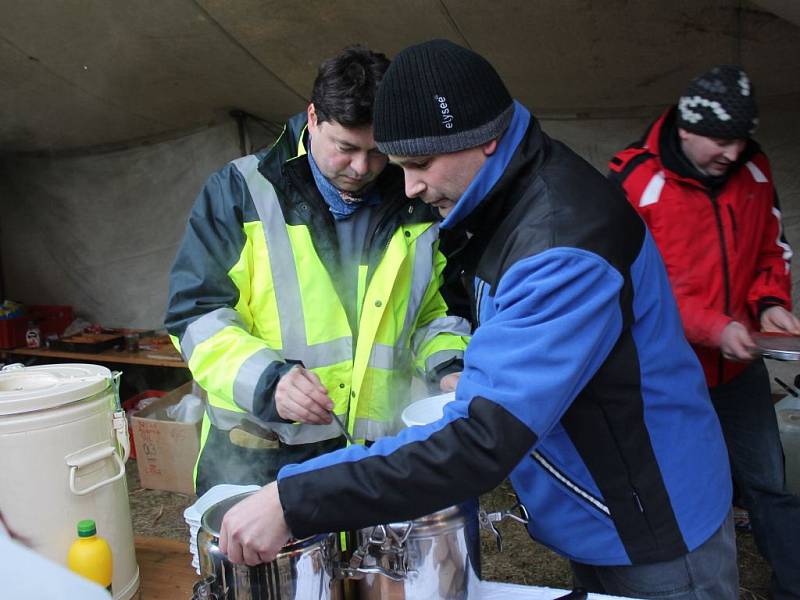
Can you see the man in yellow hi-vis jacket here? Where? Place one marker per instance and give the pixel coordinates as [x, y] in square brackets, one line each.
[306, 290]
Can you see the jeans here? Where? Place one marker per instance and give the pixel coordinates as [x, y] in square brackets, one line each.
[747, 415]
[708, 572]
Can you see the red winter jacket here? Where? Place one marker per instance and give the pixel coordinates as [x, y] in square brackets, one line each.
[724, 250]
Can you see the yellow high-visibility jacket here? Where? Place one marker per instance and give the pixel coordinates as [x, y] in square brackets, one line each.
[253, 292]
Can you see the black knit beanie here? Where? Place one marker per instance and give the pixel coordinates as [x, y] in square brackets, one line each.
[438, 97]
[719, 104]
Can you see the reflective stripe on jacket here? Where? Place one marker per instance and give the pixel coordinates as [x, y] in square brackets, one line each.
[253, 291]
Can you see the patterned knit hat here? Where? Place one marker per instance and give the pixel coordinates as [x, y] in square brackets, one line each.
[719, 104]
[438, 97]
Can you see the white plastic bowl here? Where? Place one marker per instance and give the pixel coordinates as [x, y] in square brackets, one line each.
[426, 410]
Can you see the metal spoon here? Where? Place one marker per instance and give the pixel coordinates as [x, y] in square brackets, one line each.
[347, 435]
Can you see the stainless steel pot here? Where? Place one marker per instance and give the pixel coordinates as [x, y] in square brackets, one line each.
[433, 557]
[436, 557]
[303, 570]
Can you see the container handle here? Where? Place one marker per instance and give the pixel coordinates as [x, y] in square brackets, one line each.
[84, 459]
[120, 424]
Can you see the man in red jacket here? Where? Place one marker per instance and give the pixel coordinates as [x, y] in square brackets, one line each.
[705, 190]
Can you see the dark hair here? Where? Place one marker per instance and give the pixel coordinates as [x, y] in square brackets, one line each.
[344, 90]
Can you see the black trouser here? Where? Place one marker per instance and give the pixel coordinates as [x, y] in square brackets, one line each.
[222, 461]
[747, 415]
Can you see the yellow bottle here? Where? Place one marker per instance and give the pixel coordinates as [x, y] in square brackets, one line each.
[90, 555]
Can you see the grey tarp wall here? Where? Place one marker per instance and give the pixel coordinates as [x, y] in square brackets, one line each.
[100, 232]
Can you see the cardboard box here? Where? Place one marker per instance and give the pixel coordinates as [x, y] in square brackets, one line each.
[166, 450]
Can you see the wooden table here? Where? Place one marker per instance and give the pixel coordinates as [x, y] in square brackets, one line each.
[163, 357]
[165, 569]
[166, 573]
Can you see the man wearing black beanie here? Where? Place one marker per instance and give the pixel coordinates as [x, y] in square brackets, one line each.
[578, 383]
[705, 190]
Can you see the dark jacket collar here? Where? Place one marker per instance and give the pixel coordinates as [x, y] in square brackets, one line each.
[489, 223]
[530, 153]
[292, 140]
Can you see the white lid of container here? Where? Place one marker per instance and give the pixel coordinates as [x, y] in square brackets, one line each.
[426, 410]
[25, 389]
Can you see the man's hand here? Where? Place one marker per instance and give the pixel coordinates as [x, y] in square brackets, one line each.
[449, 382]
[300, 396]
[778, 319]
[254, 531]
[736, 343]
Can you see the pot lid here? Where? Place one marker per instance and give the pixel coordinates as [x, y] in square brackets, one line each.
[26, 389]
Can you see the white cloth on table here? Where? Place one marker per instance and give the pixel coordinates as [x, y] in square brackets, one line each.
[492, 590]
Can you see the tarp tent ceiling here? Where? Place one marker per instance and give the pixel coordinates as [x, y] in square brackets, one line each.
[77, 74]
[112, 113]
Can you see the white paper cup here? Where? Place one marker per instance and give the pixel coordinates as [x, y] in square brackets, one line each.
[426, 410]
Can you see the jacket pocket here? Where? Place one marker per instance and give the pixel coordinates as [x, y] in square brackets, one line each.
[571, 486]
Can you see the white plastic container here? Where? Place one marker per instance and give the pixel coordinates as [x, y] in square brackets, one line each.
[788, 414]
[60, 463]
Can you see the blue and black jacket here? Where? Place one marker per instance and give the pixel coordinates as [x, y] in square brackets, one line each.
[578, 381]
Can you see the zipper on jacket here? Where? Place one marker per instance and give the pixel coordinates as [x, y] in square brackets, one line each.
[478, 300]
[712, 196]
[638, 502]
[733, 226]
[640, 507]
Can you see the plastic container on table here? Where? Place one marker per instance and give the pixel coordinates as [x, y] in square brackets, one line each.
[60, 461]
[787, 412]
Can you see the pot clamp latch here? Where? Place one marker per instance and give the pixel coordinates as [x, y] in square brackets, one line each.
[487, 520]
[391, 550]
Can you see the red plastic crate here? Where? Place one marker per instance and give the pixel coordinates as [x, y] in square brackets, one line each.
[51, 319]
[12, 332]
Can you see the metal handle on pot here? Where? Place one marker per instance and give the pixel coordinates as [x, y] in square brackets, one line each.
[89, 456]
[487, 520]
[344, 571]
[388, 541]
[202, 590]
